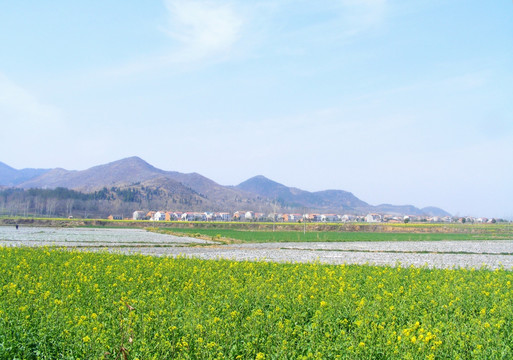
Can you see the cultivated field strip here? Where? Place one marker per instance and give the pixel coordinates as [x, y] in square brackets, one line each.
[247, 252]
[436, 254]
[89, 237]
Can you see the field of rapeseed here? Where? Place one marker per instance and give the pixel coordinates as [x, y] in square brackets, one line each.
[71, 305]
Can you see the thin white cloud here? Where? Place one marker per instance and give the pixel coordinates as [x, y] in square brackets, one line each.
[203, 28]
[199, 31]
[206, 31]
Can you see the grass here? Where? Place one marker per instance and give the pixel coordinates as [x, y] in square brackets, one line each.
[324, 236]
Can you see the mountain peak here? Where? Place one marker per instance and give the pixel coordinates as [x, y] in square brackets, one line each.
[266, 187]
[134, 165]
[259, 177]
[261, 185]
[258, 180]
[131, 161]
[121, 172]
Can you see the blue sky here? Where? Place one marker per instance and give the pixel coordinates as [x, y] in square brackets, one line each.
[403, 102]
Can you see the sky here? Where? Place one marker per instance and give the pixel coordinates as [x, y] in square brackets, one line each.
[401, 102]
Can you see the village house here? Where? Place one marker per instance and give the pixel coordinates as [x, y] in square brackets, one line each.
[273, 217]
[138, 215]
[200, 216]
[222, 216]
[259, 216]
[312, 217]
[159, 216]
[414, 218]
[172, 216]
[187, 216]
[292, 217]
[297, 217]
[194, 216]
[392, 219]
[249, 216]
[373, 218]
[347, 218]
[330, 218]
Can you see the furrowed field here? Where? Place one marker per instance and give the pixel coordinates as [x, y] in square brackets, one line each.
[65, 304]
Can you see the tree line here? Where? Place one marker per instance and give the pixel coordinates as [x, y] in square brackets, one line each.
[63, 202]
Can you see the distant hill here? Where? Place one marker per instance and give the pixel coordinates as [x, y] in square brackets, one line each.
[147, 186]
[264, 187]
[185, 191]
[122, 172]
[398, 209]
[435, 211]
[12, 177]
[333, 200]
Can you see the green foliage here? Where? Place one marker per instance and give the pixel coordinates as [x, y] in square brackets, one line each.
[327, 236]
[64, 304]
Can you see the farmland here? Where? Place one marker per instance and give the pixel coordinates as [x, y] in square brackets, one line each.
[69, 304]
[91, 292]
[243, 235]
[497, 231]
[451, 250]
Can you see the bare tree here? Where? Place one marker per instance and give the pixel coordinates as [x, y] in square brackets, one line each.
[51, 204]
[39, 206]
[69, 207]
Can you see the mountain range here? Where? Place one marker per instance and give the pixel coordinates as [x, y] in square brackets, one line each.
[196, 192]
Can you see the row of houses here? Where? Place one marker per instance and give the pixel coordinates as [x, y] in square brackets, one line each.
[181, 216]
[428, 219]
[239, 216]
[275, 217]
